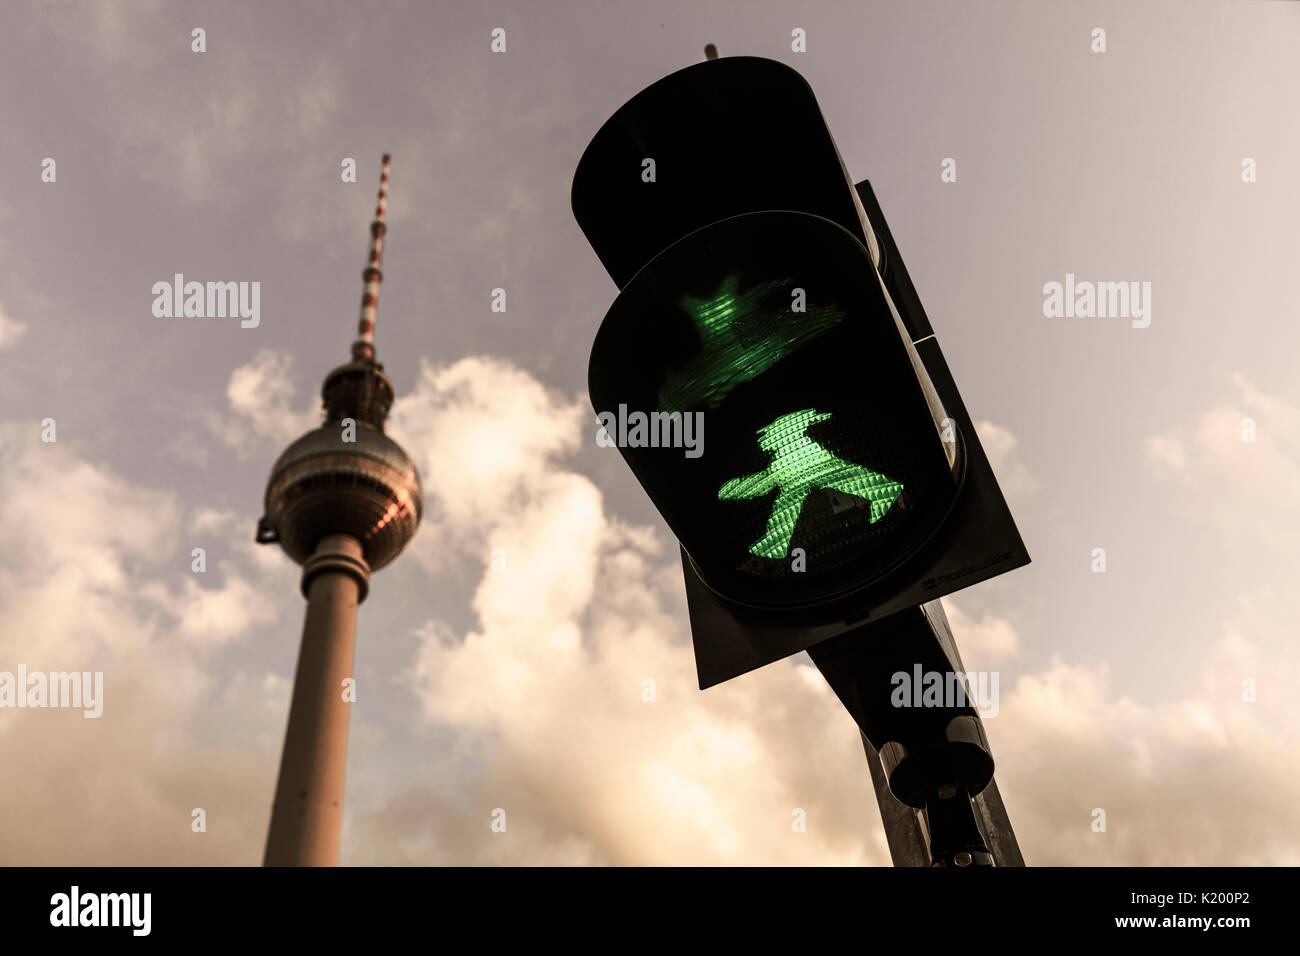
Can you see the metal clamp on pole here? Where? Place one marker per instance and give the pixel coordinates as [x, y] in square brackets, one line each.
[940, 780]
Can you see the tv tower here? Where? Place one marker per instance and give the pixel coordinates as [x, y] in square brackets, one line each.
[343, 500]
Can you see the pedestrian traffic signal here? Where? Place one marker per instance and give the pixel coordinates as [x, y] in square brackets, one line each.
[799, 467]
[823, 463]
[832, 474]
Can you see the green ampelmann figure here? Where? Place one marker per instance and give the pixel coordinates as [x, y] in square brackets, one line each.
[798, 466]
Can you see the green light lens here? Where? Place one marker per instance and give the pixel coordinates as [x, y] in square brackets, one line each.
[799, 466]
[821, 466]
[741, 337]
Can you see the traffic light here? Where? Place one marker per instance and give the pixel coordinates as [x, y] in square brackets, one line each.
[824, 463]
[769, 375]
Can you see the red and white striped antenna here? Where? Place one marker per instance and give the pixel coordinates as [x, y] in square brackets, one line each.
[364, 346]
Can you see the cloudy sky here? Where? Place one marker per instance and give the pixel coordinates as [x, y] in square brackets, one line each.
[521, 689]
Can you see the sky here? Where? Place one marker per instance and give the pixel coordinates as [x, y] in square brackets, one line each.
[1173, 446]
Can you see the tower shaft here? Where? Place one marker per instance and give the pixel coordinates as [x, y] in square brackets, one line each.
[307, 816]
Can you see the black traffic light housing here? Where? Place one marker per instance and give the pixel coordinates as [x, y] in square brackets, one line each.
[725, 137]
[711, 197]
[977, 541]
[732, 157]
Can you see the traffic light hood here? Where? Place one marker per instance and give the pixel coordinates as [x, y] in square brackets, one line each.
[714, 140]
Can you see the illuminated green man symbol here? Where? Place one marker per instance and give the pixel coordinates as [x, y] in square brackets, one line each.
[798, 466]
[740, 339]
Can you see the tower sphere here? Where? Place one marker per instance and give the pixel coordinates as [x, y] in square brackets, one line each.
[322, 485]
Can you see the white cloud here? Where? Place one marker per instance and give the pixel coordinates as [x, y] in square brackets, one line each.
[1002, 449]
[485, 436]
[1199, 775]
[217, 615]
[1167, 450]
[981, 642]
[1245, 490]
[260, 394]
[212, 520]
[1205, 778]
[11, 330]
[95, 577]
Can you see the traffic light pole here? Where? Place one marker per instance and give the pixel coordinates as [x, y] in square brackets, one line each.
[908, 842]
[991, 813]
[908, 836]
[931, 767]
